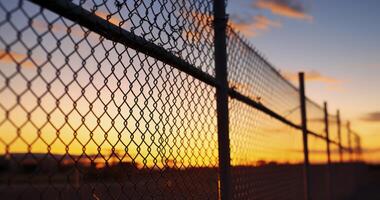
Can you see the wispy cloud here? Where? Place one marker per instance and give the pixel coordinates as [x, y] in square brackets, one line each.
[59, 27]
[371, 150]
[251, 27]
[192, 36]
[14, 57]
[310, 76]
[287, 8]
[192, 32]
[43, 26]
[113, 19]
[371, 117]
[56, 27]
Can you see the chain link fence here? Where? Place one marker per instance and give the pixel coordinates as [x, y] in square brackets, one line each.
[118, 99]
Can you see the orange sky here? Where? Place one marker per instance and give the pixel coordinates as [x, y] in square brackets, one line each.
[334, 42]
[177, 122]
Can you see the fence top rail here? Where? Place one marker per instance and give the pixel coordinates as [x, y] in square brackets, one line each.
[117, 34]
[120, 35]
[261, 107]
[250, 47]
[277, 72]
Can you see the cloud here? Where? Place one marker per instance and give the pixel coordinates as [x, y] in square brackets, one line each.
[371, 150]
[59, 27]
[56, 27]
[287, 8]
[198, 31]
[251, 27]
[192, 36]
[113, 19]
[310, 76]
[14, 57]
[43, 26]
[371, 117]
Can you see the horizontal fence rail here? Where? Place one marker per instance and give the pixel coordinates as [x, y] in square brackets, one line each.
[158, 99]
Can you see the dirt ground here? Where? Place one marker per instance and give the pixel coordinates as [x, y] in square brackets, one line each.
[371, 189]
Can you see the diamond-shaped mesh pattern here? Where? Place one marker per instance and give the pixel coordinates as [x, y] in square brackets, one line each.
[334, 136]
[251, 75]
[356, 146]
[85, 117]
[182, 27]
[119, 102]
[333, 128]
[334, 151]
[266, 156]
[344, 141]
[315, 118]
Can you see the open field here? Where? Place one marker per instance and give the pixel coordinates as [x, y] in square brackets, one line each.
[264, 182]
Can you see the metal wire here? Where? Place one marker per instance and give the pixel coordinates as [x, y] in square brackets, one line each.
[251, 75]
[117, 100]
[315, 118]
[266, 156]
[86, 117]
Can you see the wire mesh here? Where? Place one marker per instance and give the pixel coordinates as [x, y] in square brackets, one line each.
[84, 116]
[259, 170]
[182, 27]
[356, 147]
[266, 156]
[333, 128]
[315, 118]
[251, 75]
[345, 141]
[334, 153]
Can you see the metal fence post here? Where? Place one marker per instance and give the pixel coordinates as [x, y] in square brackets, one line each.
[220, 39]
[356, 147]
[328, 177]
[349, 140]
[359, 149]
[339, 135]
[304, 136]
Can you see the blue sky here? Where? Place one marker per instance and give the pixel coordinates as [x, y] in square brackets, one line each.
[336, 40]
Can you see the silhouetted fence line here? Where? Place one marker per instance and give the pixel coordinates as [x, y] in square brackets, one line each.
[158, 99]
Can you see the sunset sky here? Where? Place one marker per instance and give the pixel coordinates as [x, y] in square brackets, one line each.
[335, 42]
[175, 99]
